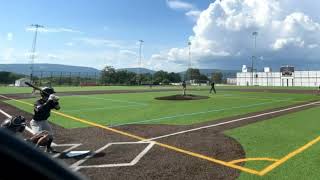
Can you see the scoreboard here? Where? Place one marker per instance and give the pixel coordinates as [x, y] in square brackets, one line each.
[287, 71]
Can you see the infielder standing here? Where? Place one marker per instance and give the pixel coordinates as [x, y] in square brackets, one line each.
[184, 87]
[42, 109]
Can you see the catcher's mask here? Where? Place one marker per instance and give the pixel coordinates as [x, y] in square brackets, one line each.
[15, 124]
[46, 92]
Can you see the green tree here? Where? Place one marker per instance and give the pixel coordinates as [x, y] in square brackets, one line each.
[217, 77]
[8, 77]
[159, 76]
[108, 75]
[193, 74]
[174, 77]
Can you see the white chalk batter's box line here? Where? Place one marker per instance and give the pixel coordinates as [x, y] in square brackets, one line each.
[77, 165]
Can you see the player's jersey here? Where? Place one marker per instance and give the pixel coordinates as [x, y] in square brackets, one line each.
[42, 109]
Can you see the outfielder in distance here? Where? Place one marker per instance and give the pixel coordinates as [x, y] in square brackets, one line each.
[42, 109]
[212, 88]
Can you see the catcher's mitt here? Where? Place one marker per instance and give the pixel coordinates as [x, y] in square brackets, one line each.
[40, 139]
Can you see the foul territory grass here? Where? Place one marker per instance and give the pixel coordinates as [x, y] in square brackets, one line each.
[142, 108]
[276, 138]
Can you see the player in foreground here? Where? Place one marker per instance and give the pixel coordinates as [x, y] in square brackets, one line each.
[17, 125]
[42, 109]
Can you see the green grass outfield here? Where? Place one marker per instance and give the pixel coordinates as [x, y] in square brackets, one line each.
[276, 138]
[142, 108]
[13, 90]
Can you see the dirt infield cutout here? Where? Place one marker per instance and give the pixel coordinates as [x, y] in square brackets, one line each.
[180, 97]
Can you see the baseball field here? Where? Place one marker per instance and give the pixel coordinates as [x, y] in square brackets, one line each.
[238, 133]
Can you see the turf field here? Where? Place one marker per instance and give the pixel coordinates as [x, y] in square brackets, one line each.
[279, 146]
[278, 137]
[14, 90]
[142, 108]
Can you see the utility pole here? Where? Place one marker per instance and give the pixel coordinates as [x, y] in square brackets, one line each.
[34, 43]
[140, 52]
[254, 34]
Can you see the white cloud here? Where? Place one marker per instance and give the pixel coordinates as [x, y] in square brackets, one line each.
[69, 44]
[312, 46]
[100, 42]
[191, 10]
[193, 14]
[177, 4]
[285, 42]
[53, 57]
[10, 36]
[128, 52]
[53, 30]
[223, 37]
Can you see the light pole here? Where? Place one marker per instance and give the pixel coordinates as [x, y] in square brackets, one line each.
[140, 50]
[189, 63]
[34, 43]
[254, 34]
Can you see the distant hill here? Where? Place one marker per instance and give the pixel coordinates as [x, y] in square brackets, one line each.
[136, 70]
[25, 68]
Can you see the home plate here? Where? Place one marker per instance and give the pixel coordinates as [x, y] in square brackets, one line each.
[72, 154]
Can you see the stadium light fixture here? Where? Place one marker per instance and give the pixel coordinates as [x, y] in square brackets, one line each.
[34, 43]
[140, 63]
[254, 34]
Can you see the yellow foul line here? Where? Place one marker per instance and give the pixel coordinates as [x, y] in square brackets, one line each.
[252, 159]
[287, 157]
[158, 143]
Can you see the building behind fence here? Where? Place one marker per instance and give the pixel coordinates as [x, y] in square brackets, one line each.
[296, 78]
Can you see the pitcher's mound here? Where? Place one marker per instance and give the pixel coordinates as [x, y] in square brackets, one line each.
[182, 97]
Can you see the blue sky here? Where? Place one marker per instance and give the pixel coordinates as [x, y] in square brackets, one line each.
[96, 33]
[121, 22]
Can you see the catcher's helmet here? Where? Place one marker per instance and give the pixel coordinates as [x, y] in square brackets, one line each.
[47, 91]
[15, 124]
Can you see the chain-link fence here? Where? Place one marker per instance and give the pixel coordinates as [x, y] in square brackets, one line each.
[55, 78]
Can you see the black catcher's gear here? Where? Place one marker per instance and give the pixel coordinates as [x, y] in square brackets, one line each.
[15, 124]
[46, 92]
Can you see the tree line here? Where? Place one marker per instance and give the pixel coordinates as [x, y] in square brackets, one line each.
[110, 76]
[9, 77]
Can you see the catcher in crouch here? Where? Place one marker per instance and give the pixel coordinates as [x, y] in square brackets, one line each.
[18, 124]
[42, 109]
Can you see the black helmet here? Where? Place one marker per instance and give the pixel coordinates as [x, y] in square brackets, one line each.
[15, 124]
[47, 91]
